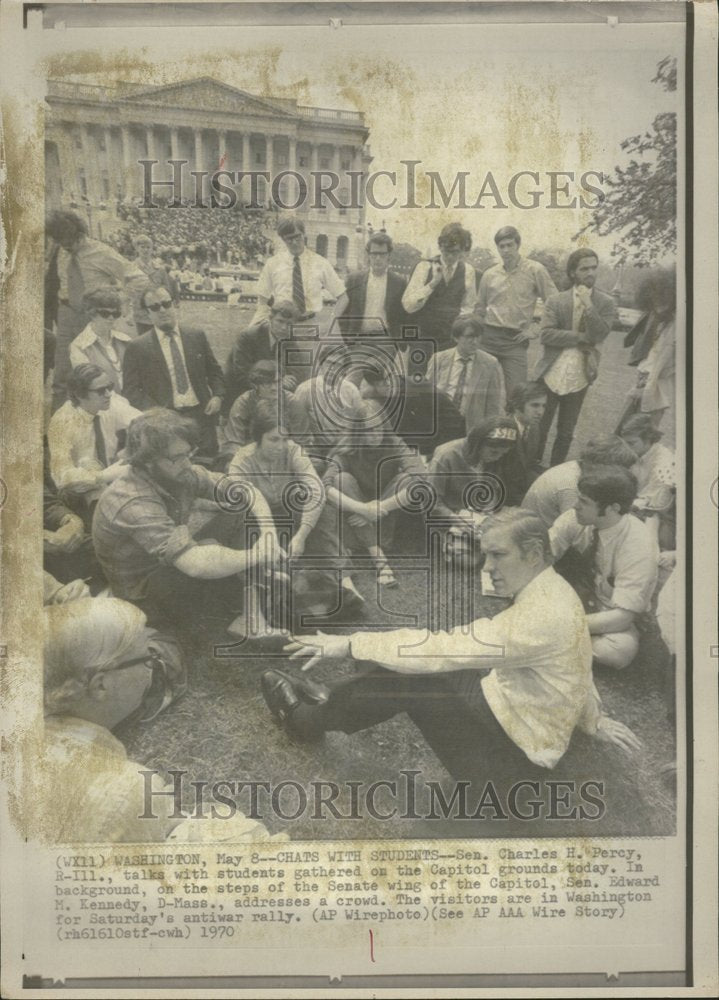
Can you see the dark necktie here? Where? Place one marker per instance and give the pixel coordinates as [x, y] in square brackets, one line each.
[75, 283]
[298, 289]
[461, 382]
[592, 564]
[181, 380]
[99, 441]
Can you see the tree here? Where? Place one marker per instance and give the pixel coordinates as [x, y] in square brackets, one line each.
[641, 199]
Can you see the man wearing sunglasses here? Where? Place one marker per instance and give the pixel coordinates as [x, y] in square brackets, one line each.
[100, 343]
[174, 367]
[84, 438]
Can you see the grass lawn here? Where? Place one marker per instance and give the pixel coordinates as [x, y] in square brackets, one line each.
[222, 730]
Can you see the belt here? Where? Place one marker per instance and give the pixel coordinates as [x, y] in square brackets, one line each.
[502, 329]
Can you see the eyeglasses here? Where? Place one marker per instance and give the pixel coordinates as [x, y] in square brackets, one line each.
[149, 659]
[378, 253]
[283, 315]
[293, 236]
[156, 306]
[108, 313]
[103, 390]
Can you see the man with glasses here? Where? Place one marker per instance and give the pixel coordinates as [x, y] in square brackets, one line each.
[259, 342]
[304, 277]
[174, 367]
[100, 343]
[84, 438]
[374, 296]
[167, 535]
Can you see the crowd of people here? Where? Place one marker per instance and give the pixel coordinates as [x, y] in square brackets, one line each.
[191, 496]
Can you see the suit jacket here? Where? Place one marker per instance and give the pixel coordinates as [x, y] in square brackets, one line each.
[146, 379]
[484, 388]
[356, 289]
[251, 345]
[557, 332]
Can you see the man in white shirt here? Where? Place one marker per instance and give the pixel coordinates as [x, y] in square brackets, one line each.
[297, 274]
[83, 435]
[507, 299]
[518, 716]
[471, 378]
[574, 323]
[442, 288]
[621, 556]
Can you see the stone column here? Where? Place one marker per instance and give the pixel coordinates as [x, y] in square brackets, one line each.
[112, 165]
[90, 151]
[270, 156]
[174, 143]
[292, 158]
[128, 174]
[246, 165]
[222, 150]
[198, 186]
[151, 145]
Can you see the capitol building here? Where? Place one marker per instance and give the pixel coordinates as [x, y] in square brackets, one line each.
[96, 136]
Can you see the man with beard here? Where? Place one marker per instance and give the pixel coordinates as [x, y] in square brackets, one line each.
[574, 323]
[165, 533]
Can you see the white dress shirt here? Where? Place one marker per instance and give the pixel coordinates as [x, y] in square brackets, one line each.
[540, 686]
[375, 317]
[568, 372]
[179, 399]
[74, 464]
[418, 290]
[318, 275]
[627, 559]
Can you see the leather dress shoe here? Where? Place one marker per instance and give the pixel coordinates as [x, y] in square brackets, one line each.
[283, 693]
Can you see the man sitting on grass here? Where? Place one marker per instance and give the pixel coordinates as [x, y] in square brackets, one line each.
[620, 557]
[501, 697]
[166, 534]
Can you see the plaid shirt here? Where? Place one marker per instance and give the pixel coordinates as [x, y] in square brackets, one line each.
[138, 527]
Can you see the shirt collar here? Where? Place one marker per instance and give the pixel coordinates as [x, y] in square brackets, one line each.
[88, 337]
[161, 333]
[609, 534]
[538, 581]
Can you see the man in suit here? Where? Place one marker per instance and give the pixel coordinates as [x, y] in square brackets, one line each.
[471, 378]
[259, 343]
[374, 296]
[521, 466]
[175, 368]
[574, 323]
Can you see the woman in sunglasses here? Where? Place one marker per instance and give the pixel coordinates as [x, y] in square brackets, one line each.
[100, 343]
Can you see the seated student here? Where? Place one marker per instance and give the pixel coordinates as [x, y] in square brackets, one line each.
[324, 408]
[67, 548]
[100, 343]
[367, 479]
[655, 472]
[83, 436]
[287, 479]
[99, 663]
[259, 343]
[166, 535]
[420, 413]
[471, 378]
[501, 699]
[620, 559]
[265, 389]
[466, 473]
[556, 489]
[521, 466]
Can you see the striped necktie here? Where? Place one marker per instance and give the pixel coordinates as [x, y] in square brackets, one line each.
[298, 288]
[458, 397]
